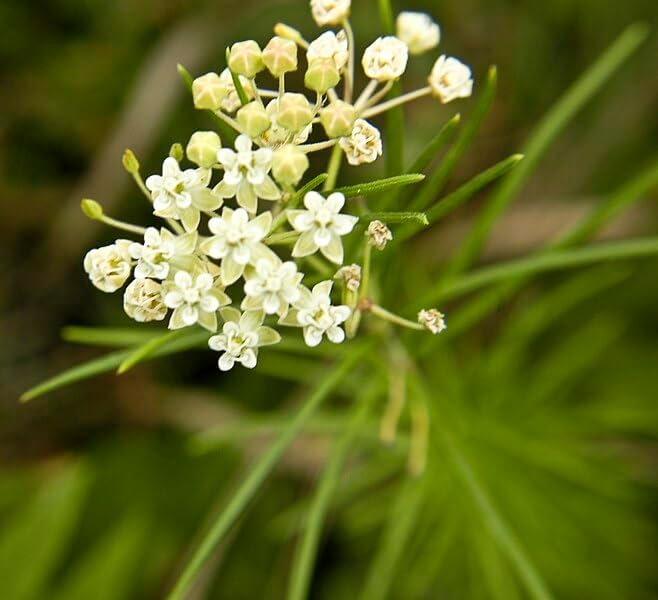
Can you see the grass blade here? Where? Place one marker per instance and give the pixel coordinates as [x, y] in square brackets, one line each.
[149, 348]
[257, 476]
[438, 180]
[397, 217]
[549, 128]
[379, 186]
[108, 336]
[305, 558]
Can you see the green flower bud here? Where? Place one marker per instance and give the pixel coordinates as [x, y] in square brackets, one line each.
[280, 56]
[176, 151]
[338, 119]
[253, 119]
[246, 59]
[130, 162]
[288, 33]
[203, 147]
[295, 112]
[322, 75]
[209, 91]
[289, 164]
[92, 209]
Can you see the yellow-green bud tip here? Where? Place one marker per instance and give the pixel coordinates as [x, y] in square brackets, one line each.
[92, 209]
[130, 162]
[176, 151]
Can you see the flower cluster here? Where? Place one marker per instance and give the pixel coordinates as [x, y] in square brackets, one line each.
[237, 231]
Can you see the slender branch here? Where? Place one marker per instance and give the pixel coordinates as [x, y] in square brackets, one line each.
[386, 106]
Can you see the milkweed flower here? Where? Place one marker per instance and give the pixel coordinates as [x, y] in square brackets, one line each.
[195, 299]
[418, 31]
[237, 240]
[142, 301]
[271, 285]
[277, 134]
[321, 226]
[329, 46]
[330, 12]
[378, 235]
[109, 267]
[450, 79]
[364, 145]
[385, 59]
[160, 251]
[432, 320]
[182, 195]
[351, 276]
[317, 316]
[246, 174]
[241, 337]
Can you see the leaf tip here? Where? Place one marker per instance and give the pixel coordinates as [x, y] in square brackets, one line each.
[517, 157]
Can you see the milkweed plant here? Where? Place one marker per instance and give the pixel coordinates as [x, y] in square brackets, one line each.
[258, 248]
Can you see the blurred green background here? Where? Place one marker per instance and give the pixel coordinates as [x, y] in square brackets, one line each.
[101, 490]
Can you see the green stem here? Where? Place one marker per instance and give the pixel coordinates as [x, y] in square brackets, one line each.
[334, 168]
[387, 315]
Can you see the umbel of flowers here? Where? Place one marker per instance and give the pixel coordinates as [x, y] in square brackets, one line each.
[237, 239]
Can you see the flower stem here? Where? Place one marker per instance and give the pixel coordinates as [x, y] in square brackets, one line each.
[334, 167]
[385, 106]
[365, 96]
[319, 146]
[122, 225]
[365, 271]
[349, 75]
[387, 315]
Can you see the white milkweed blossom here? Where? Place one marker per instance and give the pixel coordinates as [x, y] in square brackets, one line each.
[160, 251]
[246, 174]
[241, 336]
[278, 135]
[418, 31]
[321, 226]
[450, 79]
[182, 195]
[195, 298]
[315, 313]
[143, 301]
[237, 240]
[329, 46]
[330, 12]
[433, 320]
[364, 145]
[271, 285]
[232, 102]
[386, 59]
[109, 267]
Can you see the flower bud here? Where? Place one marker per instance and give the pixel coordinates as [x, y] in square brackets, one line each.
[295, 112]
[417, 31]
[321, 75]
[288, 33]
[289, 165]
[176, 151]
[253, 119]
[92, 209]
[203, 147]
[280, 56]
[209, 91]
[130, 162]
[246, 59]
[450, 79]
[338, 119]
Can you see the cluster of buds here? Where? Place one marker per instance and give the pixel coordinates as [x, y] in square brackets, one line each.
[257, 236]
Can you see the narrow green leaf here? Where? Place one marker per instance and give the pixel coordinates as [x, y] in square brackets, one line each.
[108, 336]
[381, 185]
[186, 76]
[430, 151]
[305, 557]
[244, 99]
[397, 217]
[386, 16]
[439, 179]
[108, 363]
[149, 349]
[259, 473]
[549, 128]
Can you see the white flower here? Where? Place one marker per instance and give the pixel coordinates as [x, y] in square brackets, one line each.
[450, 79]
[385, 59]
[272, 286]
[194, 298]
[232, 101]
[317, 316]
[246, 174]
[142, 301]
[351, 276]
[418, 31]
[237, 241]
[109, 267]
[182, 195]
[378, 235]
[432, 320]
[278, 135]
[321, 226]
[329, 46]
[242, 335]
[160, 250]
[330, 12]
[364, 145]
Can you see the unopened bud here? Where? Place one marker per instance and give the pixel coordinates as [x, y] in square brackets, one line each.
[209, 91]
[288, 33]
[295, 112]
[246, 59]
[378, 235]
[289, 165]
[130, 162]
[253, 119]
[338, 119]
[280, 56]
[176, 151]
[321, 75]
[92, 209]
[203, 147]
